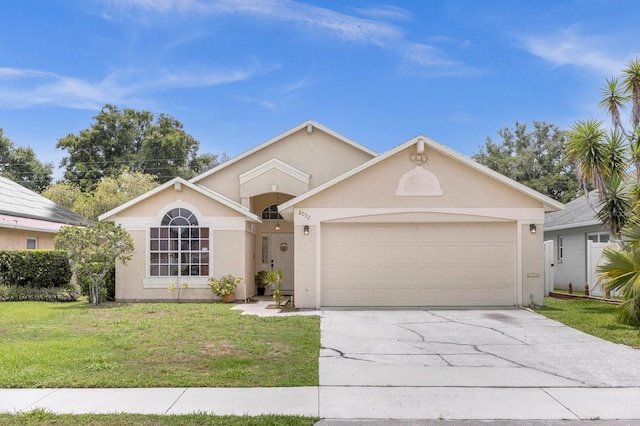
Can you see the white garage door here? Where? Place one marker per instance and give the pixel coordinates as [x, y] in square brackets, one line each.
[445, 264]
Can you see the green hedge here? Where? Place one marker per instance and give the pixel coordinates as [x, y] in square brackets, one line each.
[34, 268]
[21, 294]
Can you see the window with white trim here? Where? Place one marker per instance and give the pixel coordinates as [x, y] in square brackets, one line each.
[598, 237]
[560, 248]
[271, 213]
[179, 247]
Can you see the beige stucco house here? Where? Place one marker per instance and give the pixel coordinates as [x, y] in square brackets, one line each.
[420, 225]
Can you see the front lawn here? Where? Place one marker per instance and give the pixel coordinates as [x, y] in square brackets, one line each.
[43, 418]
[592, 317]
[153, 345]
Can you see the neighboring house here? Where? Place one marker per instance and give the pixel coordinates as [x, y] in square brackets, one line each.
[28, 220]
[571, 230]
[420, 225]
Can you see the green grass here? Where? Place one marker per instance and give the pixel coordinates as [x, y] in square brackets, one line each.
[39, 417]
[153, 345]
[592, 317]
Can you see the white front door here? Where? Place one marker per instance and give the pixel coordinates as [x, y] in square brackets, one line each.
[281, 251]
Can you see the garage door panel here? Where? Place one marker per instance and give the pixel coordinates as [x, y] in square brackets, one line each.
[453, 264]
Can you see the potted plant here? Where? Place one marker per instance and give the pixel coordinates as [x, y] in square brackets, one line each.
[225, 287]
[261, 284]
[274, 280]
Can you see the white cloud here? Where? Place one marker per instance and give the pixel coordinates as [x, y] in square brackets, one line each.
[569, 47]
[386, 12]
[20, 88]
[261, 102]
[371, 30]
[434, 62]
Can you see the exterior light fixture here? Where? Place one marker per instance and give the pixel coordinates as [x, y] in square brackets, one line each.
[277, 226]
[532, 228]
[306, 230]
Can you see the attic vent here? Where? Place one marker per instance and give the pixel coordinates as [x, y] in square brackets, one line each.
[419, 182]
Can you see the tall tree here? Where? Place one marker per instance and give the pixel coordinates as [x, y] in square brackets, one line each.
[129, 139]
[604, 158]
[534, 158]
[108, 194]
[22, 166]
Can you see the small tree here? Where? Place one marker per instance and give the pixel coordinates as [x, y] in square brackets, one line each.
[274, 279]
[93, 250]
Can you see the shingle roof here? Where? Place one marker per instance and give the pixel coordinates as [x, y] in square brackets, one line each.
[576, 213]
[18, 201]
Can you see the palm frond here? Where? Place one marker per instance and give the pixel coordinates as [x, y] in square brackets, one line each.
[631, 83]
[586, 147]
[613, 101]
[620, 271]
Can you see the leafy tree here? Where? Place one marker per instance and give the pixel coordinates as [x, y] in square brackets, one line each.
[93, 250]
[130, 139]
[65, 194]
[534, 158]
[21, 165]
[603, 159]
[108, 194]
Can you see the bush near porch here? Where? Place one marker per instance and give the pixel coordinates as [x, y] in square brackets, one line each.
[153, 345]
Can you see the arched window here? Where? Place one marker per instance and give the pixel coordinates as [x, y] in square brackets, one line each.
[271, 213]
[179, 247]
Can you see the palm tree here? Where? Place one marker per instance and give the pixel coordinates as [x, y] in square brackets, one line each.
[603, 160]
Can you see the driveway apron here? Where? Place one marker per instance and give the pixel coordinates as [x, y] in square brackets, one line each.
[484, 364]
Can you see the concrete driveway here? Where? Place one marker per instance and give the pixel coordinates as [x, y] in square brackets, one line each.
[471, 364]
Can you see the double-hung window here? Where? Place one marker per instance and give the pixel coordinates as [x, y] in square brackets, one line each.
[179, 247]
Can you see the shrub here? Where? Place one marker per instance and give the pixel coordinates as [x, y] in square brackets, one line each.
[225, 285]
[34, 268]
[20, 294]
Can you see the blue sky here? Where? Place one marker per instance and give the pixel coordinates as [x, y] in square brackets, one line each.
[239, 72]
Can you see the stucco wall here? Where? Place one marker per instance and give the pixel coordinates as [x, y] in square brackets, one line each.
[16, 239]
[228, 254]
[532, 267]
[305, 266]
[300, 150]
[462, 187]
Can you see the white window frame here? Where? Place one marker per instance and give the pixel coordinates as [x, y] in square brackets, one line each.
[35, 243]
[560, 248]
[599, 234]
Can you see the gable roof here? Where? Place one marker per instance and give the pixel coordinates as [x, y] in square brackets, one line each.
[548, 203]
[309, 124]
[19, 202]
[179, 181]
[577, 213]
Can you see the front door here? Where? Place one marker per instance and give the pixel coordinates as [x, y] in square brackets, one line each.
[281, 251]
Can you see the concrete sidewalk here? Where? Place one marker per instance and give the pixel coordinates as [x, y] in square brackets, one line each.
[346, 403]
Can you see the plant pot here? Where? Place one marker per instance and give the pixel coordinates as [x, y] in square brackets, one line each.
[229, 298]
[260, 291]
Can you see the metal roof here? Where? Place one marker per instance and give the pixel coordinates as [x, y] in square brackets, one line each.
[16, 200]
